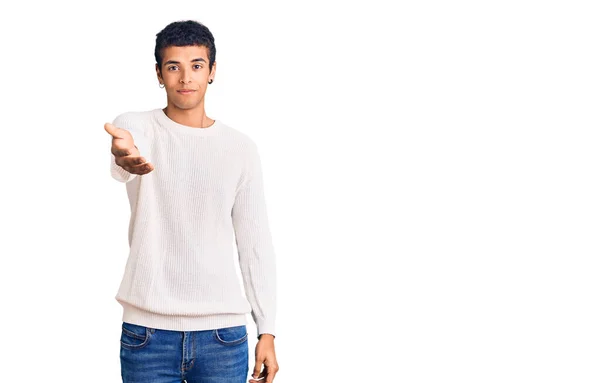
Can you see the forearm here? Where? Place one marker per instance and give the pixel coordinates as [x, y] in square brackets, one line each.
[255, 249]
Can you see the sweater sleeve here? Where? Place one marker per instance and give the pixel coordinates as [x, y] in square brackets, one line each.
[254, 245]
[126, 121]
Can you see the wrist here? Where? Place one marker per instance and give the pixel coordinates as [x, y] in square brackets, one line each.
[266, 336]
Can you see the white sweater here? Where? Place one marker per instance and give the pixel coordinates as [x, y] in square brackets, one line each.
[204, 197]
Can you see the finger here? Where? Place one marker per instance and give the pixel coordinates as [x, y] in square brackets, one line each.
[130, 161]
[113, 130]
[140, 169]
[257, 367]
[270, 374]
[260, 378]
[132, 164]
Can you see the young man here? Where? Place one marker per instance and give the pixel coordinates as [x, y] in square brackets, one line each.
[194, 184]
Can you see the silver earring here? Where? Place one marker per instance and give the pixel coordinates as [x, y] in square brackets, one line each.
[163, 85]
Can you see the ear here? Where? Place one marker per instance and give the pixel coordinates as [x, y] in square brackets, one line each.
[213, 69]
[158, 75]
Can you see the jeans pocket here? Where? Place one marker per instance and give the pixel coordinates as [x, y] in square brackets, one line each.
[134, 336]
[231, 336]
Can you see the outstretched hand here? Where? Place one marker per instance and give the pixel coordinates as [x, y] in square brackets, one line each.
[126, 153]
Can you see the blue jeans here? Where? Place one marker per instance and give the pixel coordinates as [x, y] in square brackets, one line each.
[150, 355]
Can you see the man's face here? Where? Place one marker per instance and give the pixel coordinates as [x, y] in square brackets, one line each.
[185, 68]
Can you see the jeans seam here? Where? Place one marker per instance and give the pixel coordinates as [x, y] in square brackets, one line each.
[229, 343]
[136, 346]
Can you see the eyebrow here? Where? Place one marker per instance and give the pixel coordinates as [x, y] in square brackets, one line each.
[177, 62]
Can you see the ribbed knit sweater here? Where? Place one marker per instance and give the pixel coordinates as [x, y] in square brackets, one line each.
[203, 199]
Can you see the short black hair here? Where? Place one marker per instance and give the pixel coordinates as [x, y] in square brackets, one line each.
[185, 33]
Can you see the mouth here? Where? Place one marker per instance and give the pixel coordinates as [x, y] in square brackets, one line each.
[186, 91]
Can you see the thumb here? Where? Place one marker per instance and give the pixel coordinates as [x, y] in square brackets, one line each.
[113, 130]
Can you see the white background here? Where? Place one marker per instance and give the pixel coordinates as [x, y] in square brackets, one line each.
[431, 173]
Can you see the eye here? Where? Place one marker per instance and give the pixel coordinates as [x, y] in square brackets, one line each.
[198, 65]
[171, 67]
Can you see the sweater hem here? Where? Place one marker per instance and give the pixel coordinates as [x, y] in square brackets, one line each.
[136, 315]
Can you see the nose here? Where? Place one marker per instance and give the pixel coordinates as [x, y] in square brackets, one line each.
[185, 78]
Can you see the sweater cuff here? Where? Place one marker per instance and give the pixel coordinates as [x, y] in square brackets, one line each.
[265, 327]
[118, 173]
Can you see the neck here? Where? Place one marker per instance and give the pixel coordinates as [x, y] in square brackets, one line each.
[195, 118]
